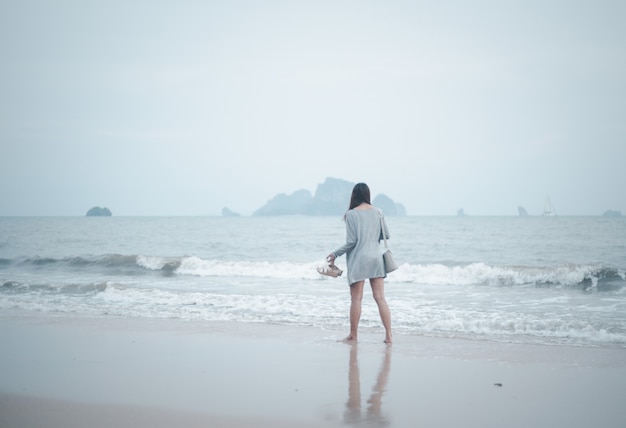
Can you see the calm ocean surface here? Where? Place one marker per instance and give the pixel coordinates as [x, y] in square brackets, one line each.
[552, 280]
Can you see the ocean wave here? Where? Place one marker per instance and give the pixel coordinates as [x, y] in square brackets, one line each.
[269, 270]
[324, 310]
[116, 260]
[17, 287]
[580, 276]
[590, 277]
[108, 263]
[192, 266]
[586, 277]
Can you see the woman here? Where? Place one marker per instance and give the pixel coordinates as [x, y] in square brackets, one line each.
[364, 257]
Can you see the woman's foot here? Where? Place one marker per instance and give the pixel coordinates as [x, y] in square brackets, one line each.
[349, 339]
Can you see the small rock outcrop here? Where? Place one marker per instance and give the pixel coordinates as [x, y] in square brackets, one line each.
[99, 212]
[612, 213]
[226, 212]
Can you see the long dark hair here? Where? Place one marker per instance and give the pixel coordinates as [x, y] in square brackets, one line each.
[360, 194]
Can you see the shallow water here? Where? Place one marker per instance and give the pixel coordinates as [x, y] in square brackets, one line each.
[516, 279]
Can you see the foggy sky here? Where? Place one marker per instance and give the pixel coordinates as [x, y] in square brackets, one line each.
[182, 108]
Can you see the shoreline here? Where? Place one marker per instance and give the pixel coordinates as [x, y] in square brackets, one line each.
[82, 370]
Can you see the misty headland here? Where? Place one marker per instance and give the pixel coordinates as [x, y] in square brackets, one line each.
[331, 198]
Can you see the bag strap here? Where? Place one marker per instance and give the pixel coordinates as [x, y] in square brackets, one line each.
[382, 228]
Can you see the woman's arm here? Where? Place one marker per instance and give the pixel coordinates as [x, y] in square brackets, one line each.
[351, 238]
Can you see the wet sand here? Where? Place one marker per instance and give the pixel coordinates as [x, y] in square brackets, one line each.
[75, 371]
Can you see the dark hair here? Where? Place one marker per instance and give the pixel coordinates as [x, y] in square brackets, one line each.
[360, 194]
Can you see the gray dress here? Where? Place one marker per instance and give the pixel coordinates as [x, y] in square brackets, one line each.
[362, 248]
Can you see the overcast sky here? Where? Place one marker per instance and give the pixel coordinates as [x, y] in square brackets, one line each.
[184, 107]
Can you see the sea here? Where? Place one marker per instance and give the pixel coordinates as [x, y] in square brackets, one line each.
[541, 280]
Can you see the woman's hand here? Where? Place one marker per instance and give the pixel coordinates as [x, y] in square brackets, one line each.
[331, 258]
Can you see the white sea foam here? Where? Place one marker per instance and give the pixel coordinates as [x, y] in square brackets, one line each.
[151, 262]
[280, 270]
[587, 275]
[481, 273]
[436, 274]
[327, 309]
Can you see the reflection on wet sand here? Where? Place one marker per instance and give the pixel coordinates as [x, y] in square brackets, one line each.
[373, 416]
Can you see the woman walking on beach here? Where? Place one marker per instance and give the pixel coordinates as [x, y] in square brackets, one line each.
[364, 258]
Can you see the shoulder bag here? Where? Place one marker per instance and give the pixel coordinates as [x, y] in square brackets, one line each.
[390, 263]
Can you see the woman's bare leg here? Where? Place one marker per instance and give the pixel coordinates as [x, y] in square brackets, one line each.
[356, 296]
[378, 290]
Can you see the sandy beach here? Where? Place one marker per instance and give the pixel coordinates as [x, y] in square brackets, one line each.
[76, 371]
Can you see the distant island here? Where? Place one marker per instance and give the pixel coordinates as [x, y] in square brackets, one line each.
[612, 213]
[227, 212]
[331, 198]
[99, 212]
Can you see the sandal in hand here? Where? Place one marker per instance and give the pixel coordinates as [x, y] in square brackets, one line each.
[330, 270]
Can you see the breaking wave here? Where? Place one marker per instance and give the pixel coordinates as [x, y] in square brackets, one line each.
[586, 277]
[583, 276]
[307, 306]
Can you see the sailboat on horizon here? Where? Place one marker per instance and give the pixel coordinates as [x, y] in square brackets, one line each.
[547, 208]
